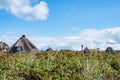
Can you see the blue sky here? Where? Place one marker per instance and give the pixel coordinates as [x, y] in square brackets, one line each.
[60, 18]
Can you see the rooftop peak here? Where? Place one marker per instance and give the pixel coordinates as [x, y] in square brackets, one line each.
[23, 36]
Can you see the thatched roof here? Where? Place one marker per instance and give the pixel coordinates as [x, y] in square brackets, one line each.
[49, 49]
[109, 49]
[86, 50]
[3, 45]
[23, 45]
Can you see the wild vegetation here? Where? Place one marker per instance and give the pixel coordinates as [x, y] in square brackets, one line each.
[60, 65]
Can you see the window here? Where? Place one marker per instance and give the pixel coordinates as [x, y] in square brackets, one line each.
[19, 49]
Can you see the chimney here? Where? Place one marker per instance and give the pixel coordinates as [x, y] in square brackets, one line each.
[23, 36]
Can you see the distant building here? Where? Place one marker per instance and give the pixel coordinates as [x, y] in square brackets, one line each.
[49, 49]
[3, 46]
[23, 45]
[86, 50]
[109, 49]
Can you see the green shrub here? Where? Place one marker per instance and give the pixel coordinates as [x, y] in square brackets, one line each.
[60, 65]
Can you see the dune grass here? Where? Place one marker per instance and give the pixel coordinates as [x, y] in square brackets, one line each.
[60, 65]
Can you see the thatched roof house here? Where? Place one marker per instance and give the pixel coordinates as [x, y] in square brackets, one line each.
[3, 46]
[49, 49]
[23, 45]
[109, 49]
[86, 50]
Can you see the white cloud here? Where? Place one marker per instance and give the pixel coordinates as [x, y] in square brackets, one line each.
[90, 37]
[102, 38]
[9, 39]
[24, 10]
